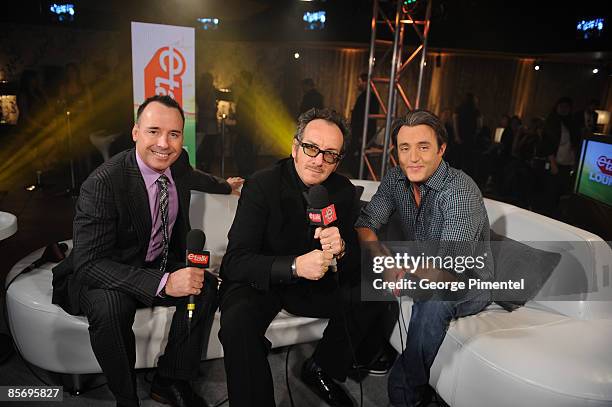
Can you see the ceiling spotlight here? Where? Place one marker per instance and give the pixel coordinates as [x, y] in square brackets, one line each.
[595, 70]
[296, 55]
[537, 67]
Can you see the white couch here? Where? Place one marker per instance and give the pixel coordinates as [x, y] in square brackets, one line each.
[54, 340]
[548, 353]
[552, 353]
[545, 354]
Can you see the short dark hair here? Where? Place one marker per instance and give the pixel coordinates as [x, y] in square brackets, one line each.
[164, 100]
[329, 115]
[421, 117]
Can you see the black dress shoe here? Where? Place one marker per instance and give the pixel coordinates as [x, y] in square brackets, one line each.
[177, 393]
[324, 386]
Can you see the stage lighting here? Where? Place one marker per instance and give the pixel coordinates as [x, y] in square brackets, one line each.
[595, 70]
[296, 55]
[587, 29]
[536, 67]
[314, 20]
[63, 12]
[209, 23]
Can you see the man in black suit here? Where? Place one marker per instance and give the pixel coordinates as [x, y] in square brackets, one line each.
[275, 260]
[131, 220]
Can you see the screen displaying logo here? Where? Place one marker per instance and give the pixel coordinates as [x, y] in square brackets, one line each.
[605, 165]
[595, 172]
[163, 74]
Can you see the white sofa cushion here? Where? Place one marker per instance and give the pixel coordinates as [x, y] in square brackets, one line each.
[530, 357]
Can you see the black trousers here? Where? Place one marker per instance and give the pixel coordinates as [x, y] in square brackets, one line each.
[111, 316]
[246, 313]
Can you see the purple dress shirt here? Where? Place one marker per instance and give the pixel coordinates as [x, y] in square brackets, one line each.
[150, 177]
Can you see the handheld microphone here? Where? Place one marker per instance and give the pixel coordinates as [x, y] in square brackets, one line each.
[320, 211]
[195, 257]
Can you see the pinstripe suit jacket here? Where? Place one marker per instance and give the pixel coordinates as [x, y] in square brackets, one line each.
[112, 228]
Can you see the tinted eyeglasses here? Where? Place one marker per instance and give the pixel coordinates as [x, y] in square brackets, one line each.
[330, 157]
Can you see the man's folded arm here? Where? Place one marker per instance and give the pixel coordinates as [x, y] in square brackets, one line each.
[204, 182]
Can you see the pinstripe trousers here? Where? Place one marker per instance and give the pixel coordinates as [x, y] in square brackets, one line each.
[111, 316]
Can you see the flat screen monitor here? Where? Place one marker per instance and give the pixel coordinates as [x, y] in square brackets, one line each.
[594, 176]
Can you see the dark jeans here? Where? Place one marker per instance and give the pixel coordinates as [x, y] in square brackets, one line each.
[426, 331]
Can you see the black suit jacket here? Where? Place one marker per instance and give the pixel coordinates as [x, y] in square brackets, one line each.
[271, 227]
[112, 228]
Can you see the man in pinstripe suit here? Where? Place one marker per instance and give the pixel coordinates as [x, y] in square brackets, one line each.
[131, 220]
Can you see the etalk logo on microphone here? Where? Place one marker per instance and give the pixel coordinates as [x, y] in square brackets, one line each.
[315, 217]
[605, 165]
[329, 214]
[322, 217]
[198, 260]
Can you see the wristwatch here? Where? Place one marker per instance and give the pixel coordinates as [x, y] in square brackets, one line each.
[162, 293]
[294, 273]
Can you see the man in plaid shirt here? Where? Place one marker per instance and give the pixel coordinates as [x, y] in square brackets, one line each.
[436, 203]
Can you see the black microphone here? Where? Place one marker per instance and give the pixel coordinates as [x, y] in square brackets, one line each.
[54, 253]
[195, 257]
[320, 211]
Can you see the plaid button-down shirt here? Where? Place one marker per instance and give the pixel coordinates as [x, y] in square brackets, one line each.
[451, 210]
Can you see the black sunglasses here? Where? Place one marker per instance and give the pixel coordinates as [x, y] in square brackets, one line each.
[330, 157]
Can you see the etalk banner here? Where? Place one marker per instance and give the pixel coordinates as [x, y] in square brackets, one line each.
[163, 63]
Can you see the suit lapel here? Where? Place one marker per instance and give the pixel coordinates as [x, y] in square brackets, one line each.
[138, 201]
[181, 171]
[293, 209]
[183, 193]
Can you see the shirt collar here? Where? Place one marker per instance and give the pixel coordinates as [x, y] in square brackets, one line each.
[437, 179]
[149, 175]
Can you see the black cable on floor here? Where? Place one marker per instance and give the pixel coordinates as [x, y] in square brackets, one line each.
[287, 375]
[350, 342]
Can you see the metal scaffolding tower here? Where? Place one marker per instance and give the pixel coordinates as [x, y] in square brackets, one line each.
[382, 71]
